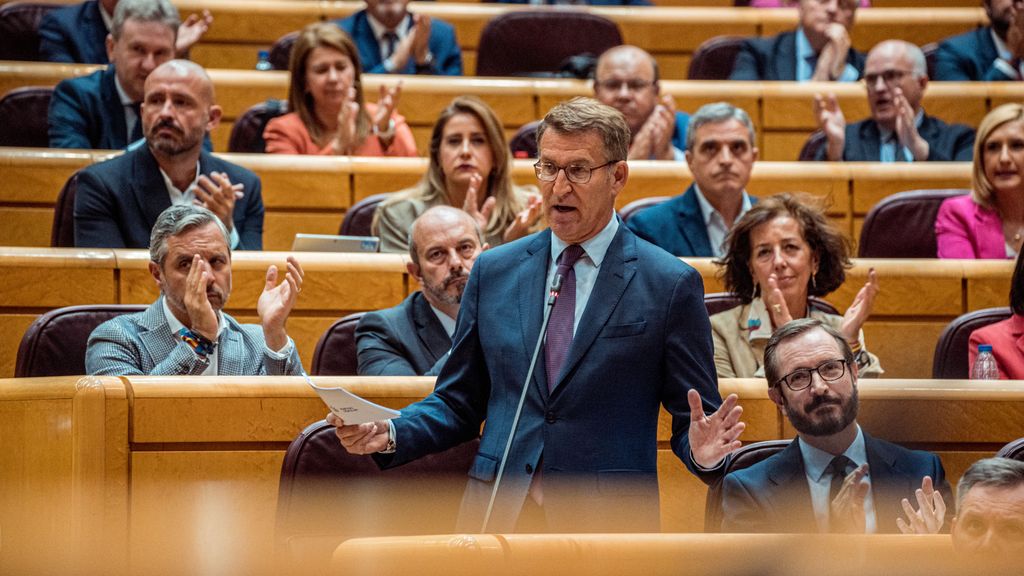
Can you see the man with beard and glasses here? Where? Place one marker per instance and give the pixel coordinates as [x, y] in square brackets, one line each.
[119, 200]
[185, 332]
[834, 477]
[988, 53]
[413, 338]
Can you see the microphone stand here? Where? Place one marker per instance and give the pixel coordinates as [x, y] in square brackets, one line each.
[556, 289]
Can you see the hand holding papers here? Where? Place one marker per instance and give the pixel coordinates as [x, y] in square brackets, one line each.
[351, 408]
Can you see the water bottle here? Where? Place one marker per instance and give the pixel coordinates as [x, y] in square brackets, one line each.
[985, 367]
[263, 61]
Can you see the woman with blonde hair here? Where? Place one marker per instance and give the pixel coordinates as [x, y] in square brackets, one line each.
[328, 113]
[989, 223]
[470, 168]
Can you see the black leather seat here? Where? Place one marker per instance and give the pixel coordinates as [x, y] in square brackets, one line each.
[815, 142]
[25, 113]
[247, 132]
[524, 142]
[714, 58]
[637, 206]
[62, 234]
[745, 457]
[19, 30]
[335, 353]
[358, 220]
[54, 344]
[903, 225]
[531, 42]
[281, 51]
[1014, 450]
[951, 351]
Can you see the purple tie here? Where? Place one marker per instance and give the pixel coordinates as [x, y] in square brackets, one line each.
[556, 347]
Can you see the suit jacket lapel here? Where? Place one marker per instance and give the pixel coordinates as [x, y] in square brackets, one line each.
[789, 479]
[616, 271]
[428, 328]
[369, 50]
[156, 334]
[870, 141]
[115, 136]
[691, 223]
[785, 64]
[231, 351]
[148, 186]
[887, 487]
[533, 264]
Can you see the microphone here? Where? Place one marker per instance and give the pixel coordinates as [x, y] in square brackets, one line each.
[553, 292]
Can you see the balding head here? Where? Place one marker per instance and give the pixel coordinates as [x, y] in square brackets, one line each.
[902, 52]
[894, 67]
[443, 244]
[178, 108]
[627, 80]
[186, 71]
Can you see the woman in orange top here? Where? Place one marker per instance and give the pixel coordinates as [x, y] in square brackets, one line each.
[328, 115]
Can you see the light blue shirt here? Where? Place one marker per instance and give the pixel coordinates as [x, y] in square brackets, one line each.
[804, 70]
[820, 481]
[715, 224]
[586, 267]
[887, 145]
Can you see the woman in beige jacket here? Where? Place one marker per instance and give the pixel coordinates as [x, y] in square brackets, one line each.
[782, 252]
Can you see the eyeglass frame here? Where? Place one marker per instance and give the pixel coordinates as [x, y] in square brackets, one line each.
[811, 372]
[590, 173]
[897, 75]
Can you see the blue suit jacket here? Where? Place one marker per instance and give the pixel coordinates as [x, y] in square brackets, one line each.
[443, 45]
[406, 340]
[946, 142]
[772, 495]
[775, 59]
[643, 341]
[968, 56]
[74, 34]
[86, 112]
[677, 226]
[118, 201]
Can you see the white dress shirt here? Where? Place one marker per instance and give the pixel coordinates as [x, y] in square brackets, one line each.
[714, 222]
[188, 196]
[586, 267]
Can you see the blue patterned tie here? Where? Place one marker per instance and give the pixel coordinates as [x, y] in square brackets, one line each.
[556, 347]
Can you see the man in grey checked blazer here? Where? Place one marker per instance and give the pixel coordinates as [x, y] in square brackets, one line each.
[184, 331]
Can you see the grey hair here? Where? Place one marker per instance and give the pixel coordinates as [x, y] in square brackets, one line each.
[918, 63]
[159, 11]
[176, 220]
[581, 115]
[990, 472]
[790, 330]
[450, 210]
[716, 113]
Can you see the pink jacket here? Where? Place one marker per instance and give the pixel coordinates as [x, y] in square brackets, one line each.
[965, 230]
[1007, 340]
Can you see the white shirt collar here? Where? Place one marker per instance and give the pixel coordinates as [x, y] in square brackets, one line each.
[594, 248]
[379, 29]
[175, 325]
[447, 322]
[1001, 48]
[126, 100]
[108, 19]
[816, 461]
[180, 196]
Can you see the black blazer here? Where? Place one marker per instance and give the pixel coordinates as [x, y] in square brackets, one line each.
[946, 142]
[775, 59]
[118, 201]
[405, 340]
[74, 34]
[968, 56]
[86, 112]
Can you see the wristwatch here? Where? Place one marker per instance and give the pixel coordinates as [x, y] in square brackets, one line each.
[426, 65]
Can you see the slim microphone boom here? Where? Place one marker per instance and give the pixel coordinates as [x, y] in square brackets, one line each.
[555, 290]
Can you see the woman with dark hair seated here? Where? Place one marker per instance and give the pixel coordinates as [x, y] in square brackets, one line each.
[1006, 337]
[780, 253]
[328, 115]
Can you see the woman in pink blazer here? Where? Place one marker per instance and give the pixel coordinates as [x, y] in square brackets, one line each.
[1006, 337]
[990, 222]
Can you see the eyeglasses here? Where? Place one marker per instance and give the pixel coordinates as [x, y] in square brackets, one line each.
[576, 173]
[888, 76]
[829, 370]
[635, 85]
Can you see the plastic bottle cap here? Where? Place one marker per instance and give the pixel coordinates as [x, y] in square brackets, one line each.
[984, 348]
[264, 54]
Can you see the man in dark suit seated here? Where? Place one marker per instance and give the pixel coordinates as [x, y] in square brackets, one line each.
[833, 477]
[898, 130]
[185, 331]
[628, 333]
[989, 53]
[818, 50]
[413, 338]
[626, 78]
[78, 33]
[990, 509]
[392, 40]
[720, 152]
[119, 200]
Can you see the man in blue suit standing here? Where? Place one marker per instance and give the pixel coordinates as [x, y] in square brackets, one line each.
[987, 54]
[834, 477]
[628, 334]
[720, 152]
[391, 40]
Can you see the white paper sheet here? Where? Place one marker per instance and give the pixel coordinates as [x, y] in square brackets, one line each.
[351, 408]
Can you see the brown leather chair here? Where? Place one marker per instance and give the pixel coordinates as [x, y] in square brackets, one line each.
[25, 112]
[281, 51]
[722, 301]
[745, 457]
[951, 351]
[62, 234]
[247, 132]
[637, 206]
[903, 225]
[327, 495]
[524, 142]
[358, 219]
[815, 142]
[1014, 450]
[714, 58]
[524, 43]
[19, 30]
[335, 353]
[54, 344]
